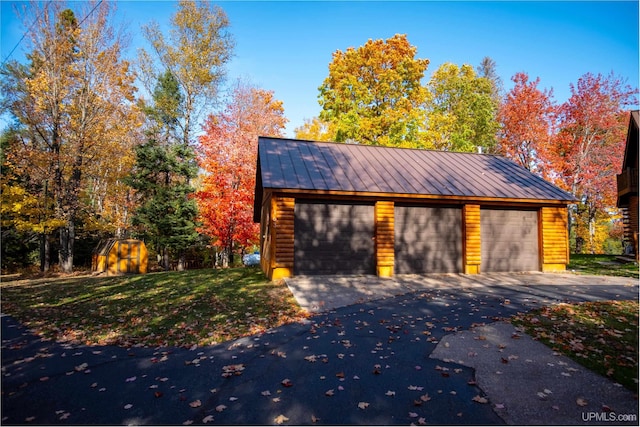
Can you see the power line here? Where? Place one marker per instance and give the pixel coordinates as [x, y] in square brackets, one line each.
[27, 32]
[38, 18]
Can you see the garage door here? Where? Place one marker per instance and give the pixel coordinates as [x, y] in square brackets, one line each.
[333, 238]
[428, 240]
[509, 240]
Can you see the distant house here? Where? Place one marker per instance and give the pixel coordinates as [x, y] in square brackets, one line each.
[628, 184]
[327, 208]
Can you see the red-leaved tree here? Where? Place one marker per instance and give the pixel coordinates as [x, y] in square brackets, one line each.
[527, 125]
[227, 156]
[589, 147]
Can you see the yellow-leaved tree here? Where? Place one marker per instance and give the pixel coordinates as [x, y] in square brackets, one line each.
[74, 105]
[373, 94]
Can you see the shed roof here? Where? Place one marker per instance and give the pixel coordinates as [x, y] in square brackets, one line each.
[289, 164]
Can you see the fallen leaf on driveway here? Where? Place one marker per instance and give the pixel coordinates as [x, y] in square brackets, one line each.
[287, 382]
[195, 403]
[363, 405]
[207, 419]
[280, 419]
[390, 393]
[480, 399]
[221, 408]
[581, 402]
[329, 392]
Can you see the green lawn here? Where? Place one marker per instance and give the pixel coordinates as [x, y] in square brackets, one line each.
[602, 336]
[175, 308]
[602, 265]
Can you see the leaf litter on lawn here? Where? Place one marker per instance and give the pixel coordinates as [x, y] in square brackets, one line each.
[194, 307]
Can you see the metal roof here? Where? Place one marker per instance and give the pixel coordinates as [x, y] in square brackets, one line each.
[289, 164]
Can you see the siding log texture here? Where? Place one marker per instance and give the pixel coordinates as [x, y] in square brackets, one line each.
[472, 244]
[384, 226]
[554, 236]
[282, 214]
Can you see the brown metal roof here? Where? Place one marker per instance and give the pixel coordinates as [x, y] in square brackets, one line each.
[289, 164]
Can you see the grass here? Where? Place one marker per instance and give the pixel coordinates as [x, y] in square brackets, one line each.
[602, 335]
[196, 307]
[602, 265]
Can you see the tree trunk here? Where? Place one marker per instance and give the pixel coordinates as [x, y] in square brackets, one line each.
[165, 259]
[67, 238]
[45, 253]
[181, 262]
[230, 251]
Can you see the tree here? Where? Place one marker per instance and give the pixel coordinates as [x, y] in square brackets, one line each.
[198, 47]
[227, 156]
[74, 101]
[316, 130]
[488, 70]
[462, 111]
[589, 147]
[164, 168]
[527, 119]
[373, 94]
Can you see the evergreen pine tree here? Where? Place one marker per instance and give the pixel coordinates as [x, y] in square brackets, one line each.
[165, 166]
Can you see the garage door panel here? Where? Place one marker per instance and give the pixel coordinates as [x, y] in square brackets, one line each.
[333, 239]
[509, 240]
[428, 240]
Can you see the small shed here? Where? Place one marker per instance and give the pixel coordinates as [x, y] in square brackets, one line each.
[327, 208]
[120, 256]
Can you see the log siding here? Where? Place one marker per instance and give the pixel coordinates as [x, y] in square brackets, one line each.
[472, 247]
[384, 235]
[554, 245]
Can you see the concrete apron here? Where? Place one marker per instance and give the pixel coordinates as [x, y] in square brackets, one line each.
[318, 294]
[526, 382]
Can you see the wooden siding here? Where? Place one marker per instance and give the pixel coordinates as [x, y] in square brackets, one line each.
[384, 229]
[554, 236]
[472, 244]
[282, 229]
[266, 234]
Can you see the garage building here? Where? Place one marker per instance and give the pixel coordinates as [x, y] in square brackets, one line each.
[328, 208]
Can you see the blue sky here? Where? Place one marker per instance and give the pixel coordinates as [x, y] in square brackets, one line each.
[287, 46]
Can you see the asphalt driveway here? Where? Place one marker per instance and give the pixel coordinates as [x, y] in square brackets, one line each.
[390, 361]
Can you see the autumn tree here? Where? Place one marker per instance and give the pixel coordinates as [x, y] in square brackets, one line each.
[462, 111]
[164, 169]
[228, 159]
[74, 102]
[589, 147]
[488, 69]
[527, 119]
[373, 94]
[315, 129]
[196, 51]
